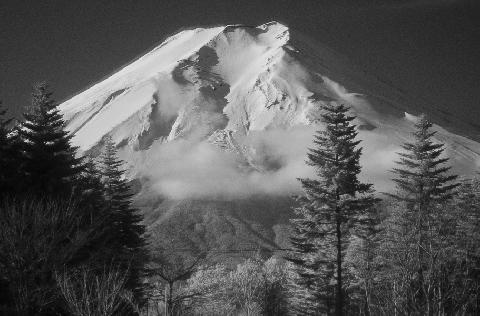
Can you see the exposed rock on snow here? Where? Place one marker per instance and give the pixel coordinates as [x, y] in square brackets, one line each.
[224, 85]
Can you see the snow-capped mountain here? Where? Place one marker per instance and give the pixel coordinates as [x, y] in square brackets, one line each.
[229, 111]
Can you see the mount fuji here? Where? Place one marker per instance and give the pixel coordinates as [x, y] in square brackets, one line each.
[218, 121]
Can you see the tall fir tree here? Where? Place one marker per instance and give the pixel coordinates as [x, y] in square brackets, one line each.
[5, 179]
[127, 231]
[6, 154]
[422, 174]
[4, 129]
[423, 185]
[48, 161]
[89, 194]
[334, 204]
[363, 264]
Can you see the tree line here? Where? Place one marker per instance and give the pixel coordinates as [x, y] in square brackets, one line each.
[414, 253]
[67, 226]
[71, 243]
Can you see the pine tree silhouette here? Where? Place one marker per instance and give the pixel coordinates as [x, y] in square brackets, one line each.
[6, 153]
[423, 183]
[90, 196]
[126, 228]
[48, 161]
[333, 204]
[422, 175]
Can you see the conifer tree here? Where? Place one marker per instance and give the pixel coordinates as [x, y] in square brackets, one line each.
[6, 159]
[89, 192]
[334, 204]
[422, 174]
[126, 232]
[363, 264]
[3, 126]
[48, 160]
[423, 184]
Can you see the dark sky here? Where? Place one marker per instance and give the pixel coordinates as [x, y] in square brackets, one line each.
[429, 48]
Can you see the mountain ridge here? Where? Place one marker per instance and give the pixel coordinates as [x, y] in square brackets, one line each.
[239, 87]
[214, 126]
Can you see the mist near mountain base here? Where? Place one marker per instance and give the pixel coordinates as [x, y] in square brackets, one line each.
[188, 169]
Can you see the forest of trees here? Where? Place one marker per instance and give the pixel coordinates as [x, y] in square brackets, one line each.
[414, 253]
[68, 233]
[72, 243]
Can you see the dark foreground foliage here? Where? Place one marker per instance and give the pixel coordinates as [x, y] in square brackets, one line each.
[61, 217]
[71, 243]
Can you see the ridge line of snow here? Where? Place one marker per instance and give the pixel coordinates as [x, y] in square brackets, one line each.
[130, 68]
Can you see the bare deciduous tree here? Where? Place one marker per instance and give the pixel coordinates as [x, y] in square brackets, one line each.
[169, 267]
[37, 237]
[89, 293]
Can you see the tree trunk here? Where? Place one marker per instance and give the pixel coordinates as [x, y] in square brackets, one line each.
[170, 300]
[395, 307]
[339, 296]
[166, 300]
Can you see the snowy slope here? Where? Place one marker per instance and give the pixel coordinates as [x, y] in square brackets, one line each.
[231, 110]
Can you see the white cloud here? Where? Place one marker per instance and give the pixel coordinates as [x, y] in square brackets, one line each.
[191, 169]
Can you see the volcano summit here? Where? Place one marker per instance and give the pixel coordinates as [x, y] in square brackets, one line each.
[229, 112]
